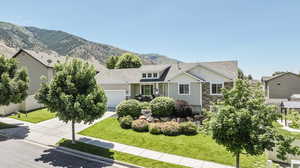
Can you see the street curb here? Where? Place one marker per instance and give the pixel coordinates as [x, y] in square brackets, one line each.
[96, 157]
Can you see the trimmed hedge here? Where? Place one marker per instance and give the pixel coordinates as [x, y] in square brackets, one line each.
[155, 128]
[170, 128]
[188, 128]
[125, 122]
[183, 109]
[162, 106]
[129, 107]
[140, 125]
[145, 105]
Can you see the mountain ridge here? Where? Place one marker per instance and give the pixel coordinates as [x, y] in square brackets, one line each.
[13, 36]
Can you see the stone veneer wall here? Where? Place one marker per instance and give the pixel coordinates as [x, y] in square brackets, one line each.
[208, 99]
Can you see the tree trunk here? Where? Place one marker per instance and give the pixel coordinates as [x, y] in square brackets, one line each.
[73, 132]
[237, 160]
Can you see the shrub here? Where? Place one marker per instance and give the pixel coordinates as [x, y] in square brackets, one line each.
[129, 107]
[170, 128]
[294, 116]
[162, 106]
[145, 105]
[188, 128]
[155, 128]
[140, 125]
[182, 109]
[125, 122]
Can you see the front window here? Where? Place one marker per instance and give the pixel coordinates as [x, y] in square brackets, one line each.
[216, 88]
[144, 75]
[154, 75]
[147, 89]
[184, 89]
[149, 75]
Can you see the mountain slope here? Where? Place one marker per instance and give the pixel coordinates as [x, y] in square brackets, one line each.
[14, 37]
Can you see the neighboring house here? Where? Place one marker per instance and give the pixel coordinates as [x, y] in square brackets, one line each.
[37, 64]
[281, 86]
[197, 83]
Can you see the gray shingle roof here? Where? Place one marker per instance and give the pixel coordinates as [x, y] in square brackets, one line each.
[268, 78]
[133, 75]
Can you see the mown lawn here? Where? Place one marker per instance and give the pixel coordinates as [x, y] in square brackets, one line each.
[115, 155]
[5, 126]
[200, 146]
[35, 116]
[285, 132]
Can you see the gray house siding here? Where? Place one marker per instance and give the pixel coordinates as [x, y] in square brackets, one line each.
[194, 98]
[283, 87]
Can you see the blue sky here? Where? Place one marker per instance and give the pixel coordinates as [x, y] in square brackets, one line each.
[263, 35]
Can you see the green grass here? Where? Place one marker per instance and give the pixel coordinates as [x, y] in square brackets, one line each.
[115, 155]
[5, 126]
[296, 135]
[200, 146]
[35, 116]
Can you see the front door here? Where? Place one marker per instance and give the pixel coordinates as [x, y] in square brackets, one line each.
[147, 90]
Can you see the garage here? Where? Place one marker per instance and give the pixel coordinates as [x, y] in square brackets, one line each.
[114, 97]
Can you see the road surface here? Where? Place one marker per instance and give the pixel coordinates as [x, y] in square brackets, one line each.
[23, 154]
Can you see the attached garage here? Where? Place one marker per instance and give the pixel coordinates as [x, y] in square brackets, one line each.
[114, 97]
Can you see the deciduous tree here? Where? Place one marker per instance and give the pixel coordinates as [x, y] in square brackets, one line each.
[112, 62]
[129, 60]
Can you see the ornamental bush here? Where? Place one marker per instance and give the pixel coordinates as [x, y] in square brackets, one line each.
[170, 128]
[140, 125]
[129, 107]
[155, 128]
[162, 106]
[125, 122]
[182, 109]
[145, 105]
[188, 128]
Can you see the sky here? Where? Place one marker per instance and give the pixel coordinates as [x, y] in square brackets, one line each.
[262, 35]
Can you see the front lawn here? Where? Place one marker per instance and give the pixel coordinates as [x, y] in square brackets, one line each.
[296, 135]
[115, 155]
[199, 146]
[35, 116]
[5, 126]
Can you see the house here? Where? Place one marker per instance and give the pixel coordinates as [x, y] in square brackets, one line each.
[37, 64]
[281, 86]
[197, 83]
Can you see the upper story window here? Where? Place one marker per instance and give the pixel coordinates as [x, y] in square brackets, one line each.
[155, 75]
[144, 75]
[184, 89]
[216, 88]
[149, 75]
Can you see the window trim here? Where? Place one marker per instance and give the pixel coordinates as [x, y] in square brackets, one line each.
[153, 75]
[215, 94]
[145, 76]
[184, 94]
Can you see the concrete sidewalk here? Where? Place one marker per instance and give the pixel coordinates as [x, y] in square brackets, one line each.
[51, 131]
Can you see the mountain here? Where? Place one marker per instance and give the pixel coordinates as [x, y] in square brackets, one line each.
[14, 37]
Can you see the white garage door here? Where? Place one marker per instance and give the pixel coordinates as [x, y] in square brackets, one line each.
[114, 97]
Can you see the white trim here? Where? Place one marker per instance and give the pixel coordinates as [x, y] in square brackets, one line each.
[210, 87]
[168, 89]
[152, 75]
[178, 86]
[153, 85]
[201, 94]
[192, 76]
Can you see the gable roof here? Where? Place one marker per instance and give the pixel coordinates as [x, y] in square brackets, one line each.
[169, 71]
[49, 59]
[268, 78]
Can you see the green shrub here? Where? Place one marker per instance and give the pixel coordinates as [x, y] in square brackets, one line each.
[162, 106]
[170, 128]
[145, 105]
[155, 128]
[188, 128]
[129, 107]
[183, 109]
[294, 116]
[140, 125]
[125, 122]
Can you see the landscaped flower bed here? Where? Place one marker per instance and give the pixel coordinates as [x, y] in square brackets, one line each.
[162, 115]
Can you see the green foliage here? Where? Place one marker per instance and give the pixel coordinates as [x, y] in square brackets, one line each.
[112, 62]
[240, 74]
[182, 109]
[170, 128]
[155, 128]
[13, 82]
[244, 123]
[73, 93]
[294, 116]
[140, 125]
[129, 60]
[162, 106]
[188, 128]
[125, 122]
[129, 107]
[145, 105]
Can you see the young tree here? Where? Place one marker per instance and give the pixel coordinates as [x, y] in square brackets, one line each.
[74, 94]
[244, 123]
[250, 77]
[128, 60]
[111, 62]
[240, 74]
[13, 82]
